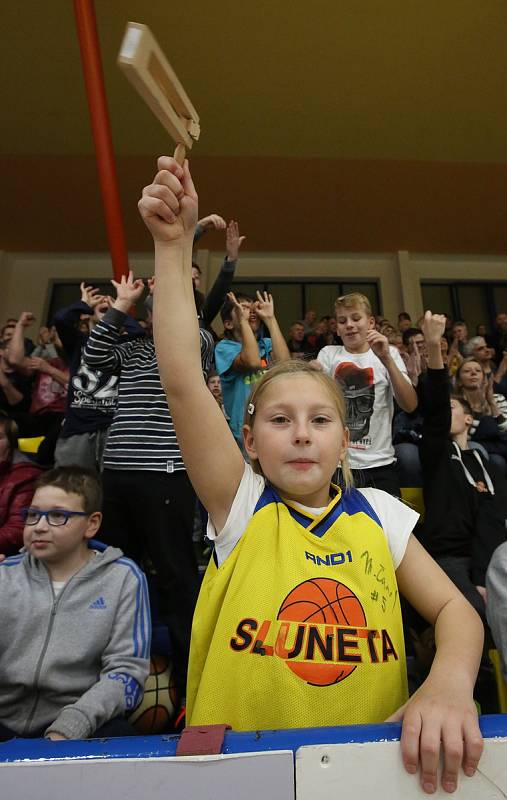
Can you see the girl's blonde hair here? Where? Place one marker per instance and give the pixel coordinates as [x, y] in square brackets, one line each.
[297, 367]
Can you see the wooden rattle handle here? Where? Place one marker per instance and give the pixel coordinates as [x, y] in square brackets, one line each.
[179, 154]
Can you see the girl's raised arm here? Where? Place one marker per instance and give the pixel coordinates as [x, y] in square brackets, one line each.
[212, 458]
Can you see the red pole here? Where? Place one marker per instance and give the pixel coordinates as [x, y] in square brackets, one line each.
[94, 81]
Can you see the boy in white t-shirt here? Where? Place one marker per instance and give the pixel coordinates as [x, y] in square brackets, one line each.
[371, 373]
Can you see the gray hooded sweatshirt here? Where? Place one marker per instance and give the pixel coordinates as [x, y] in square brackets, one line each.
[496, 606]
[69, 664]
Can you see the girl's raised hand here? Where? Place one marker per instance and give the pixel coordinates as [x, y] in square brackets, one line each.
[168, 206]
[264, 306]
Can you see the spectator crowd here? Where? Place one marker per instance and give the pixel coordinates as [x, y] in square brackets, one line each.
[425, 406]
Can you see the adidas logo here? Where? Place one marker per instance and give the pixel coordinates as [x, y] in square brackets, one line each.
[98, 603]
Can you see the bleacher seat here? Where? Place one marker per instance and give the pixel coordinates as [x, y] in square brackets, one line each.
[501, 683]
[30, 445]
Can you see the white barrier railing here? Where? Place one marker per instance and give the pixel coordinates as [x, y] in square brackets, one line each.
[349, 763]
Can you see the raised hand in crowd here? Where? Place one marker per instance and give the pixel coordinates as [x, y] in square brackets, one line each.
[241, 313]
[502, 368]
[212, 221]
[26, 318]
[45, 337]
[36, 364]
[233, 241]
[90, 295]
[403, 391]
[379, 344]
[16, 348]
[128, 291]
[433, 328]
[264, 306]
[150, 283]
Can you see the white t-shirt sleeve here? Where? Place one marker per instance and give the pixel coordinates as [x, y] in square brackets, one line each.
[397, 520]
[325, 357]
[395, 355]
[242, 509]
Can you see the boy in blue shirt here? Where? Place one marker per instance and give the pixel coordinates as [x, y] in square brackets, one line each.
[243, 355]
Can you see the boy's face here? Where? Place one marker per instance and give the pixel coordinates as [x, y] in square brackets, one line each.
[482, 351]
[501, 322]
[101, 308]
[214, 386]
[196, 277]
[353, 325]
[253, 319]
[59, 545]
[460, 420]
[460, 333]
[297, 332]
[417, 344]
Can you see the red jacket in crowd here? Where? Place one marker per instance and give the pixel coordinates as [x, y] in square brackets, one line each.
[17, 478]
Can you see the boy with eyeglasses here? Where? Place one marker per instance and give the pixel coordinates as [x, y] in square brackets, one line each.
[75, 642]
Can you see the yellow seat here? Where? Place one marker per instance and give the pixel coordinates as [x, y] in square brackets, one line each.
[413, 497]
[501, 683]
[30, 445]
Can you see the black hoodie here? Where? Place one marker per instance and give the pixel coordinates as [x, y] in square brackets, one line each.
[459, 520]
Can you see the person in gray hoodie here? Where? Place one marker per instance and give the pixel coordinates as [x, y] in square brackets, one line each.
[75, 638]
[496, 601]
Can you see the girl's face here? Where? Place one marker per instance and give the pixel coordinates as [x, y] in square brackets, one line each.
[353, 325]
[471, 375]
[298, 438]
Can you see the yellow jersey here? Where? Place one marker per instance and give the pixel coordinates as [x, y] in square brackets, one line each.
[301, 625]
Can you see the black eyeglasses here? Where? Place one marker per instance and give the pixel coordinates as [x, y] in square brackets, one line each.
[54, 516]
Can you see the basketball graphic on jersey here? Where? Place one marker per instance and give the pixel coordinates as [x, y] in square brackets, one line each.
[317, 603]
[358, 387]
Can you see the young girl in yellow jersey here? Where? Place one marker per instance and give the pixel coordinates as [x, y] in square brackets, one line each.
[298, 622]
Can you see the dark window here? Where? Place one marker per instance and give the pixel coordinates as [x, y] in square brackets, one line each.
[475, 302]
